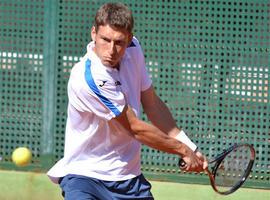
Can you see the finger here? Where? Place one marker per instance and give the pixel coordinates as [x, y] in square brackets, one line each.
[199, 165]
[199, 154]
[203, 159]
[205, 163]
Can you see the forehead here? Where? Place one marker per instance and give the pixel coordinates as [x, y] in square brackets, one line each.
[108, 31]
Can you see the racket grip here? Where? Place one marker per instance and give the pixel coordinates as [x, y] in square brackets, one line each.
[181, 163]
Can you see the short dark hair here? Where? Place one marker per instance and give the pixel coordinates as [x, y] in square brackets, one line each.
[116, 15]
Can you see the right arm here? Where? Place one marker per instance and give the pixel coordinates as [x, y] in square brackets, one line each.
[153, 137]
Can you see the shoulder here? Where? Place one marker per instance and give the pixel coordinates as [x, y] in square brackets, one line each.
[79, 67]
[76, 77]
[134, 43]
[134, 49]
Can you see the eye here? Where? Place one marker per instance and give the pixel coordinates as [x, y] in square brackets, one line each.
[105, 39]
[120, 43]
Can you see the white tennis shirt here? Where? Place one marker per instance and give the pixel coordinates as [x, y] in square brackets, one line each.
[95, 144]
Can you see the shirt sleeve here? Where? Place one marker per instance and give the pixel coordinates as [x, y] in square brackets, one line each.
[87, 95]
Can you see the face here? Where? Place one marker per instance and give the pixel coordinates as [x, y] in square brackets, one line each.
[110, 44]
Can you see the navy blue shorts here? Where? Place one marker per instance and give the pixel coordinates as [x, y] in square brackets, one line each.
[76, 187]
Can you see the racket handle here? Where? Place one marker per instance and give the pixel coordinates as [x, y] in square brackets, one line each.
[181, 163]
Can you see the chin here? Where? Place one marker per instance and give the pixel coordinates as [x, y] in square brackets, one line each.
[109, 64]
[106, 64]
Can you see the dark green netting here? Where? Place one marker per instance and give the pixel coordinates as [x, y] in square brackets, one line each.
[209, 61]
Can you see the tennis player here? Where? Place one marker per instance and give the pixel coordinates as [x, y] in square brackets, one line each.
[104, 132]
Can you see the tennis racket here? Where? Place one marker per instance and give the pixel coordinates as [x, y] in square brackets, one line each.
[230, 169]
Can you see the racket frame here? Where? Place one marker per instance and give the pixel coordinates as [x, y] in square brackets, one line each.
[218, 160]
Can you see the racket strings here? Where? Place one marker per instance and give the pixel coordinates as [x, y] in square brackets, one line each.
[232, 168]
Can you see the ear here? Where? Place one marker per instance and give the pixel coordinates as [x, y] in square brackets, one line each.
[93, 33]
[130, 38]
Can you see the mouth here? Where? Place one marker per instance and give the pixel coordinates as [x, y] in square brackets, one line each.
[109, 62]
[109, 58]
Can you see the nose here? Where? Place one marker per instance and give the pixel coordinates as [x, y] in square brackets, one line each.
[112, 48]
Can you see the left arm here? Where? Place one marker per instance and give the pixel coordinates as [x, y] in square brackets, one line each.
[158, 113]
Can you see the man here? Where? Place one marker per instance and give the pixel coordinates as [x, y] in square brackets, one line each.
[103, 132]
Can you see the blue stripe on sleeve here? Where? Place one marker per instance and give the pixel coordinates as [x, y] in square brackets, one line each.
[90, 82]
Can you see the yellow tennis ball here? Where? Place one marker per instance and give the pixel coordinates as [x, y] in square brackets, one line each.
[21, 156]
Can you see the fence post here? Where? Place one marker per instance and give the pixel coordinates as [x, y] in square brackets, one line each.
[49, 93]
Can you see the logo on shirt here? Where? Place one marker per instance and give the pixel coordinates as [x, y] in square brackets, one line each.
[117, 83]
[102, 84]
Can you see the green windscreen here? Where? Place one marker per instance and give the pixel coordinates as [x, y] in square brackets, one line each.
[209, 61]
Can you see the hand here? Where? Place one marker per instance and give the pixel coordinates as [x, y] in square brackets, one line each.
[203, 159]
[194, 162]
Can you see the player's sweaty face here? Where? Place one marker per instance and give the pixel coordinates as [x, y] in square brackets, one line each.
[111, 44]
